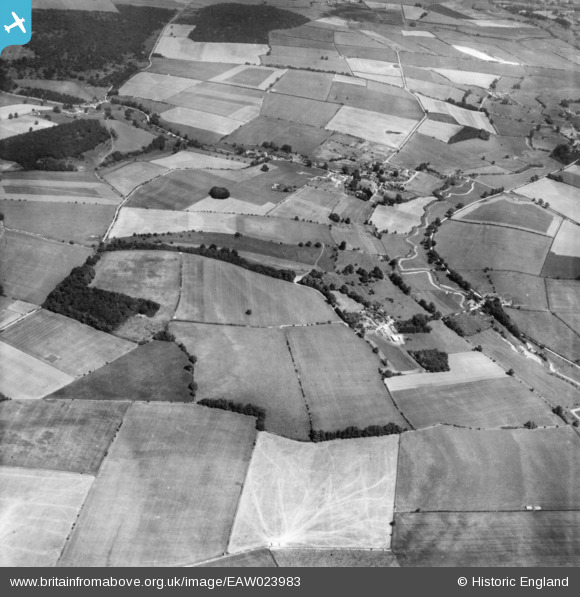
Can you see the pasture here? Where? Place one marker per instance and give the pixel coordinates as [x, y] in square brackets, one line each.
[440, 337]
[23, 124]
[385, 129]
[129, 176]
[217, 292]
[305, 84]
[509, 211]
[473, 246]
[526, 291]
[23, 376]
[400, 218]
[396, 357]
[309, 203]
[357, 239]
[65, 435]
[491, 403]
[31, 266]
[38, 509]
[297, 109]
[251, 366]
[190, 69]
[464, 367]
[438, 469]
[335, 494]
[563, 295]
[251, 77]
[442, 131]
[319, 59]
[331, 558]
[221, 125]
[84, 224]
[12, 310]
[168, 490]
[153, 372]
[156, 87]
[561, 266]
[72, 347]
[129, 138]
[183, 48]
[144, 221]
[487, 539]
[340, 378]
[195, 160]
[562, 198]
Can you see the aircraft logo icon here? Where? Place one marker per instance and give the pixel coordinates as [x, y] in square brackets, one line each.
[18, 22]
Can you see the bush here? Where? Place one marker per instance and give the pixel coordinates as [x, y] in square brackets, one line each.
[431, 359]
[416, 325]
[219, 193]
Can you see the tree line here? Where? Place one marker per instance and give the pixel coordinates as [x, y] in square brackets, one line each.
[237, 407]
[51, 95]
[431, 359]
[355, 432]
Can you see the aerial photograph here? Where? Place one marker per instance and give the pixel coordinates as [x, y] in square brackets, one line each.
[290, 283]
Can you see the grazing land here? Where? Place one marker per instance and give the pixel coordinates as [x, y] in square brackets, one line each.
[64, 343]
[333, 494]
[31, 267]
[128, 177]
[340, 379]
[168, 490]
[400, 218]
[251, 366]
[501, 402]
[218, 292]
[487, 538]
[65, 435]
[45, 502]
[153, 372]
[23, 376]
[437, 472]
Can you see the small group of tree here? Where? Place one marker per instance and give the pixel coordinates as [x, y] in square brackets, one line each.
[53, 96]
[165, 335]
[101, 309]
[556, 177]
[430, 307]
[367, 276]
[219, 193]
[355, 432]
[468, 132]
[237, 407]
[452, 324]
[431, 359]
[418, 324]
[334, 217]
[459, 280]
[492, 192]
[492, 306]
[36, 149]
[566, 152]
[398, 281]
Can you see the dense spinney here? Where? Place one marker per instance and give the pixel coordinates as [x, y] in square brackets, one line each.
[237, 407]
[355, 432]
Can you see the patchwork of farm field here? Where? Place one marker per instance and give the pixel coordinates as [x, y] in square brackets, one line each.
[67, 435]
[438, 469]
[526, 291]
[216, 292]
[38, 510]
[487, 538]
[125, 178]
[563, 198]
[31, 266]
[12, 310]
[168, 491]
[249, 366]
[310, 203]
[333, 494]
[440, 337]
[340, 379]
[70, 346]
[500, 402]
[153, 372]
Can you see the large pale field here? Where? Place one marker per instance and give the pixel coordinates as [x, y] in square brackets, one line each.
[385, 129]
[143, 221]
[183, 48]
[67, 435]
[464, 367]
[217, 292]
[567, 241]
[400, 218]
[251, 77]
[452, 469]
[30, 267]
[310, 204]
[340, 378]
[488, 404]
[129, 138]
[462, 116]
[23, 376]
[250, 366]
[563, 198]
[168, 490]
[126, 178]
[473, 246]
[155, 86]
[23, 124]
[83, 224]
[38, 509]
[64, 343]
[197, 161]
[204, 120]
[332, 494]
[533, 539]
[442, 131]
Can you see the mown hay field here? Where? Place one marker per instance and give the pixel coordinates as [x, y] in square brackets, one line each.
[487, 539]
[475, 246]
[332, 494]
[217, 292]
[442, 469]
[11, 310]
[84, 224]
[482, 404]
[153, 372]
[127, 177]
[30, 267]
[39, 509]
[340, 378]
[249, 366]
[66, 435]
[64, 343]
[168, 490]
